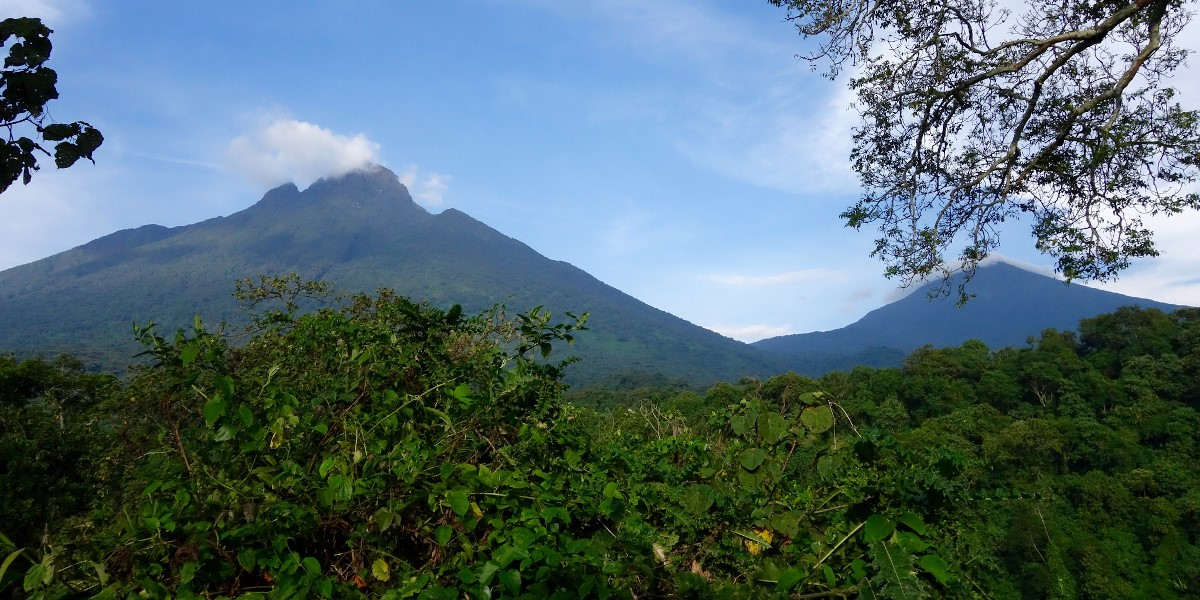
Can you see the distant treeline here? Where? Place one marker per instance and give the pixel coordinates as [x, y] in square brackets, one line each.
[388, 449]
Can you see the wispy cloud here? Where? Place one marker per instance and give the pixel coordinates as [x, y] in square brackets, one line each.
[176, 160]
[761, 117]
[752, 333]
[284, 149]
[799, 276]
[782, 140]
[997, 257]
[676, 26]
[1170, 277]
[428, 190]
[51, 12]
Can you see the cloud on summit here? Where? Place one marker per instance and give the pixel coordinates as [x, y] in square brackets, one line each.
[428, 190]
[283, 150]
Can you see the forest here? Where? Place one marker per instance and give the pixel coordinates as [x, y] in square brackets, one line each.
[384, 448]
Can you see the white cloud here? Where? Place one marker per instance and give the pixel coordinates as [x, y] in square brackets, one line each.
[1174, 276]
[782, 140]
[284, 150]
[429, 191]
[799, 276]
[752, 333]
[51, 12]
[997, 257]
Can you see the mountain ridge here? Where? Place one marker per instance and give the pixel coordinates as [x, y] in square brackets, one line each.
[993, 315]
[360, 231]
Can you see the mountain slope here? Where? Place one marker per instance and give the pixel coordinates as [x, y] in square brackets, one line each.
[1010, 304]
[361, 231]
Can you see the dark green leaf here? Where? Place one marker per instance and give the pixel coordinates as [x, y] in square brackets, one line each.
[877, 528]
[511, 580]
[59, 131]
[459, 502]
[772, 427]
[214, 409]
[788, 579]
[934, 565]
[913, 521]
[817, 419]
[752, 458]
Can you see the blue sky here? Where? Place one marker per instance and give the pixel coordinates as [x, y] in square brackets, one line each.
[674, 149]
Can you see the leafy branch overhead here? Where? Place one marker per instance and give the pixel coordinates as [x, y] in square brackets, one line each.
[26, 85]
[1062, 116]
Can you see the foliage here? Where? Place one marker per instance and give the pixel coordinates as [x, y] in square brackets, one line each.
[387, 449]
[26, 85]
[1067, 119]
[53, 438]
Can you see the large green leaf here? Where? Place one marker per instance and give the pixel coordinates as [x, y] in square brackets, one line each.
[753, 458]
[817, 419]
[877, 528]
[214, 409]
[772, 427]
[741, 424]
[459, 502]
[934, 565]
[697, 499]
[788, 579]
[8, 560]
[913, 521]
[787, 523]
[812, 398]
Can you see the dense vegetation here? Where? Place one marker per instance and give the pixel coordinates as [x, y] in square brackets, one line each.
[387, 449]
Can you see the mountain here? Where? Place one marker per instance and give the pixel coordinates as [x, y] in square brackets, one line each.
[360, 231]
[1009, 305]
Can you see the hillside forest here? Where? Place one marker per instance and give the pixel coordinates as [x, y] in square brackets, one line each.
[383, 448]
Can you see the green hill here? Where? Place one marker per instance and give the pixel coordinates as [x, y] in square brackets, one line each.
[361, 231]
[1010, 304]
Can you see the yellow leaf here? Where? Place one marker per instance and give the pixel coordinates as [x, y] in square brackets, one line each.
[380, 570]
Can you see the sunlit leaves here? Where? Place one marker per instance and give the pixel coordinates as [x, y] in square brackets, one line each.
[380, 570]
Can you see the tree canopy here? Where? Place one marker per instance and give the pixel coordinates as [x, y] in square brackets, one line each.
[973, 115]
[384, 449]
[26, 85]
